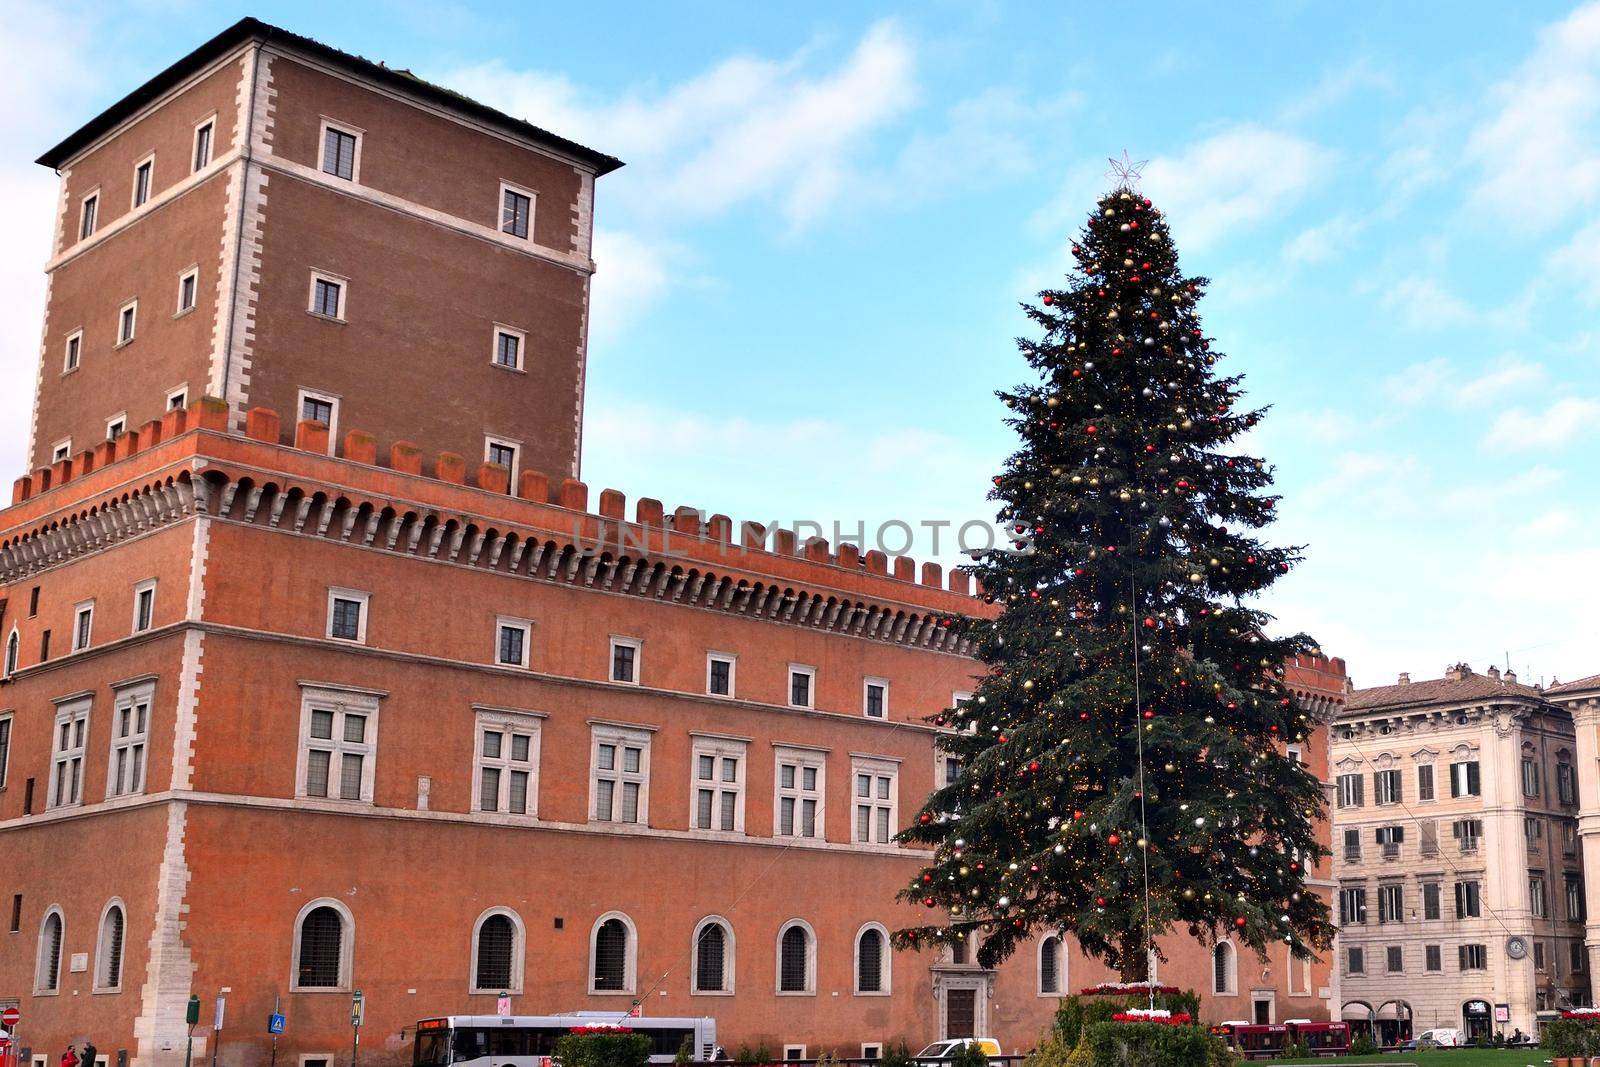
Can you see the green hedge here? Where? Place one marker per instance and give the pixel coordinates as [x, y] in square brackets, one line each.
[603, 1050]
[1570, 1037]
[1149, 1045]
[1077, 1013]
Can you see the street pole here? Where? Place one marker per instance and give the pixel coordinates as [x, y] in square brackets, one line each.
[277, 1006]
[192, 1017]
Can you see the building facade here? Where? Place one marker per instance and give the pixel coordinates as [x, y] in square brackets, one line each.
[323, 672]
[1461, 897]
[1581, 700]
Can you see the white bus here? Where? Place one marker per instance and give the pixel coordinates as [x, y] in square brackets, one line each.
[529, 1040]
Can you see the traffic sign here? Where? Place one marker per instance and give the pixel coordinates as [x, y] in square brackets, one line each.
[358, 1009]
[274, 1023]
[10, 1017]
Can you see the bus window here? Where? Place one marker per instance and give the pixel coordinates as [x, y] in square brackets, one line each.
[433, 1049]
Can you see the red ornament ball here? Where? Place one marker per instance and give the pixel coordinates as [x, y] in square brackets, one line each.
[1239, 922]
[1114, 839]
[1048, 299]
[925, 818]
[929, 901]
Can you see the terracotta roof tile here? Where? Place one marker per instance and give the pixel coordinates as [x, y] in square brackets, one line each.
[1437, 691]
[1576, 686]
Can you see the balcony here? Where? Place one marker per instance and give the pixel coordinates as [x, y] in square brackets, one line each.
[1469, 846]
[1391, 851]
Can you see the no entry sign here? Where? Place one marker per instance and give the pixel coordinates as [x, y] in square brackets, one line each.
[10, 1017]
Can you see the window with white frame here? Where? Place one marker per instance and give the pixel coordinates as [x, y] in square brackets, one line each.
[327, 295]
[5, 746]
[802, 683]
[800, 781]
[1538, 904]
[797, 959]
[625, 659]
[718, 785]
[204, 132]
[497, 952]
[508, 347]
[872, 1050]
[144, 606]
[324, 935]
[321, 407]
[130, 739]
[876, 797]
[88, 215]
[127, 322]
[338, 744]
[720, 668]
[516, 211]
[511, 641]
[794, 1052]
[188, 290]
[116, 425]
[507, 762]
[1386, 787]
[47, 964]
[347, 614]
[502, 453]
[72, 356]
[61, 450]
[82, 625]
[143, 178]
[71, 740]
[1224, 970]
[341, 151]
[620, 777]
[178, 399]
[872, 961]
[712, 965]
[958, 701]
[108, 948]
[875, 698]
[13, 650]
[613, 945]
[1052, 966]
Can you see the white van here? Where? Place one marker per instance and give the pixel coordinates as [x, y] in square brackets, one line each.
[939, 1051]
[1442, 1037]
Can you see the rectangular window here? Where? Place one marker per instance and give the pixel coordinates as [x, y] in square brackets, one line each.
[1473, 957]
[1430, 900]
[875, 699]
[511, 642]
[144, 606]
[1530, 777]
[1579, 963]
[338, 744]
[178, 399]
[116, 426]
[1468, 832]
[1352, 906]
[1389, 839]
[1537, 904]
[327, 296]
[1538, 955]
[1566, 784]
[1469, 900]
[130, 736]
[625, 659]
[1432, 955]
[1350, 791]
[718, 786]
[1569, 839]
[340, 156]
[82, 626]
[800, 782]
[73, 354]
[1352, 844]
[877, 797]
[620, 775]
[719, 674]
[323, 408]
[1429, 845]
[1386, 787]
[61, 451]
[1391, 903]
[508, 345]
[142, 175]
[502, 453]
[1425, 782]
[1355, 961]
[1571, 883]
[5, 748]
[188, 287]
[1393, 959]
[507, 763]
[66, 763]
[88, 215]
[16, 912]
[516, 211]
[347, 614]
[127, 322]
[801, 680]
[1533, 832]
[1465, 780]
[202, 143]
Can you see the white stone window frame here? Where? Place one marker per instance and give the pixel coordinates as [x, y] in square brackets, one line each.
[732, 661]
[794, 1052]
[140, 591]
[190, 274]
[61, 450]
[635, 643]
[519, 941]
[718, 748]
[82, 636]
[1230, 985]
[134, 203]
[40, 989]
[506, 622]
[729, 956]
[802, 757]
[72, 358]
[327, 123]
[811, 685]
[875, 768]
[521, 336]
[13, 654]
[810, 989]
[885, 968]
[196, 165]
[84, 208]
[131, 334]
[8, 728]
[360, 596]
[181, 395]
[129, 698]
[500, 211]
[630, 966]
[866, 690]
[622, 736]
[491, 440]
[506, 721]
[1061, 966]
[318, 275]
[958, 698]
[347, 947]
[332, 400]
[872, 1050]
[341, 702]
[101, 948]
[116, 425]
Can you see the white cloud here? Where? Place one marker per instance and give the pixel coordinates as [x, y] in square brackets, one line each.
[632, 275]
[1418, 383]
[1562, 423]
[1557, 522]
[1325, 241]
[1578, 262]
[1437, 381]
[1425, 304]
[1539, 153]
[1505, 376]
[1335, 87]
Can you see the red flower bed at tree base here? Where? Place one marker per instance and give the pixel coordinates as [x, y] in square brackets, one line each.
[1180, 1019]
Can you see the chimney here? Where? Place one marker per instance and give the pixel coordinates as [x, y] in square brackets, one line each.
[1405, 677]
[1458, 672]
[1494, 672]
[1511, 676]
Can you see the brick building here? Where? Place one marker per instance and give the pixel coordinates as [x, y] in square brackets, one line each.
[321, 673]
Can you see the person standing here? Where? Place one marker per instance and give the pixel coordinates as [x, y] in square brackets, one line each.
[69, 1058]
[89, 1054]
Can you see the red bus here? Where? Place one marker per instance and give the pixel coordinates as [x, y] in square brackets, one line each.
[1323, 1039]
[1254, 1041]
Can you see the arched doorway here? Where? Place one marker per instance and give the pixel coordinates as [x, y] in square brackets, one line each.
[1393, 1022]
[1358, 1013]
[1476, 1019]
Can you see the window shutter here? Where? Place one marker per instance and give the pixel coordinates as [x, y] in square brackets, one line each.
[1360, 784]
[1430, 834]
[1461, 956]
[1399, 834]
[1474, 784]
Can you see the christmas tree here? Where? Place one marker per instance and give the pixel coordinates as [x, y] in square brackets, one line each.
[1123, 769]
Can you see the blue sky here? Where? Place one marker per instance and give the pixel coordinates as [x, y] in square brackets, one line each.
[809, 268]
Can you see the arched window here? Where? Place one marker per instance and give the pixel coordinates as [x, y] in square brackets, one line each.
[47, 971]
[872, 960]
[108, 948]
[497, 952]
[611, 957]
[797, 963]
[1222, 969]
[713, 957]
[324, 934]
[11, 655]
[1051, 958]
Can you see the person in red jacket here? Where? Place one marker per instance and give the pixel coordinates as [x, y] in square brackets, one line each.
[69, 1058]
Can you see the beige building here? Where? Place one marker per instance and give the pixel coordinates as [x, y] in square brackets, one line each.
[1581, 699]
[1456, 853]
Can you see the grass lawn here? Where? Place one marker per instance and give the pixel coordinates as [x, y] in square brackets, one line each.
[1456, 1057]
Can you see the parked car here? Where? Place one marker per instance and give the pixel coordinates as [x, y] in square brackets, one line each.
[1441, 1037]
[943, 1050]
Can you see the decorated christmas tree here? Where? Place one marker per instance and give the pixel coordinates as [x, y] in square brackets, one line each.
[1123, 764]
